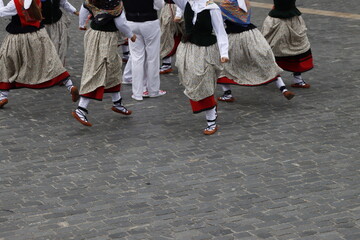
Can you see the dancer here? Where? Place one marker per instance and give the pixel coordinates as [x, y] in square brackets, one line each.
[285, 30]
[28, 59]
[252, 61]
[57, 24]
[199, 58]
[102, 63]
[171, 26]
[145, 52]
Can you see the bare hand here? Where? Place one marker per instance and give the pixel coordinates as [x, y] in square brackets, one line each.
[177, 19]
[77, 13]
[224, 59]
[133, 38]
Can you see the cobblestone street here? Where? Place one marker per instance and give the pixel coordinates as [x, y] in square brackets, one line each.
[276, 169]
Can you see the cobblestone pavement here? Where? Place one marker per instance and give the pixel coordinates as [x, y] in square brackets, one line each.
[276, 169]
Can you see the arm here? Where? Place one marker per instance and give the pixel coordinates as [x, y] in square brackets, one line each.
[67, 6]
[8, 10]
[122, 26]
[221, 36]
[179, 12]
[181, 4]
[158, 4]
[84, 13]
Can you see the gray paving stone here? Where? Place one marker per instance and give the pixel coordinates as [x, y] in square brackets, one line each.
[276, 169]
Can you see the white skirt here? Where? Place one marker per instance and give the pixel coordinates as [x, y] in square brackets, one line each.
[198, 69]
[59, 35]
[251, 62]
[29, 59]
[286, 37]
[168, 28]
[102, 62]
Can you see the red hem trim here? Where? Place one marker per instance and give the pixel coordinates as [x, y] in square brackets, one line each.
[98, 93]
[202, 105]
[225, 80]
[177, 39]
[55, 81]
[300, 63]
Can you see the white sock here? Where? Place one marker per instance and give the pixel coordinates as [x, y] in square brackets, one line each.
[280, 85]
[167, 60]
[211, 116]
[68, 84]
[298, 79]
[225, 87]
[115, 96]
[4, 94]
[84, 102]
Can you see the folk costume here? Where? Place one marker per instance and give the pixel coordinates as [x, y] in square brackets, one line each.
[171, 33]
[145, 51]
[57, 24]
[252, 60]
[28, 58]
[285, 30]
[198, 59]
[102, 63]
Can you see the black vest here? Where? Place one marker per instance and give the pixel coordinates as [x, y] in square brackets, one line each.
[140, 10]
[232, 27]
[199, 33]
[284, 9]
[50, 10]
[15, 27]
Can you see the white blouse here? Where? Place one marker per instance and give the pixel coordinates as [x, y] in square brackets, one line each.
[218, 26]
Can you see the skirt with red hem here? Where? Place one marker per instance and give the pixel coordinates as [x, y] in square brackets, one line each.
[55, 81]
[226, 80]
[299, 63]
[203, 105]
[98, 93]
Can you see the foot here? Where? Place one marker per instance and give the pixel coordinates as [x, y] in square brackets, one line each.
[159, 94]
[226, 97]
[3, 102]
[211, 129]
[300, 85]
[80, 115]
[119, 108]
[166, 68]
[145, 94]
[137, 98]
[169, 70]
[74, 94]
[289, 95]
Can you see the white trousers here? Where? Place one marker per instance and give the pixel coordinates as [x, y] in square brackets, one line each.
[145, 57]
[127, 76]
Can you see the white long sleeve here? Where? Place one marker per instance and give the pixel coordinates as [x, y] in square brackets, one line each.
[84, 13]
[158, 4]
[8, 10]
[122, 26]
[219, 29]
[181, 4]
[67, 6]
[179, 13]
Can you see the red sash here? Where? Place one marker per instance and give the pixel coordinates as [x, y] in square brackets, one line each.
[25, 19]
